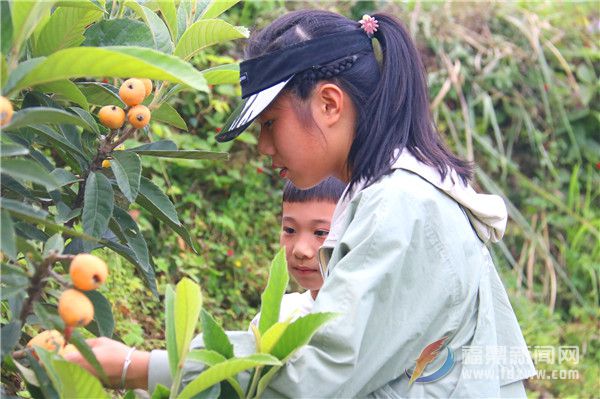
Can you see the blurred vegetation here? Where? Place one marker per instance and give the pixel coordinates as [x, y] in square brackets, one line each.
[513, 86]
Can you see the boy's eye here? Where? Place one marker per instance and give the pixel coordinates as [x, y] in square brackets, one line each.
[288, 230]
[321, 233]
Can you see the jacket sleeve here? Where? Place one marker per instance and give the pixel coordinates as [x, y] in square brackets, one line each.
[397, 289]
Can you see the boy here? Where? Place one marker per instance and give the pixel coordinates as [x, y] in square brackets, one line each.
[306, 218]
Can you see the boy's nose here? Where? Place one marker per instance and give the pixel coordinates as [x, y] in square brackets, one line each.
[303, 250]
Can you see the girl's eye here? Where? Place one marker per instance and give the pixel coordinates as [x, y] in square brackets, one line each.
[268, 123]
[288, 230]
[321, 233]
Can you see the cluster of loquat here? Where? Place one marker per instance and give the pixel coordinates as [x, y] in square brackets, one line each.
[88, 272]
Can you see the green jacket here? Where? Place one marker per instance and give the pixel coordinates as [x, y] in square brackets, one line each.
[406, 266]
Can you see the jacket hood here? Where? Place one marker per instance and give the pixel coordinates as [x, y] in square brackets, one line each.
[486, 212]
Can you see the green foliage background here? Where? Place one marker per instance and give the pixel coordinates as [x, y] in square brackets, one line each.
[514, 86]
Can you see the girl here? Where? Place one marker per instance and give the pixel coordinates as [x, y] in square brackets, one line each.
[423, 311]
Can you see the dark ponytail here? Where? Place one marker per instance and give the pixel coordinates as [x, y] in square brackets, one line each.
[391, 99]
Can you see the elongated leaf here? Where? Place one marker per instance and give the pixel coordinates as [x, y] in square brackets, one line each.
[76, 382]
[214, 336]
[57, 138]
[119, 32]
[217, 7]
[12, 150]
[145, 269]
[101, 94]
[98, 203]
[160, 392]
[169, 13]
[10, 334]
[225, 370]
[170, 331]
[132, 235]
[272, 336]
[151, 198]
[116, 61]
[67, 90]
[8, 243]
[167, 114]
[6, 30]
[188, 302]
[65, 29]
[273, 293]
[185, 154]
[63, 177]
[127, 168]
[102, 313]
[222, 74]
[160, 32]
[206, 356]
[20, 71]
[161, 145]
[38, 115]
[205, 33]
[28, 170]
[25, 17]
[54, 244]
[299, 333]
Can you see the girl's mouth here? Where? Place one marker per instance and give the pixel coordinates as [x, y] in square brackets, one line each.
[283, 173]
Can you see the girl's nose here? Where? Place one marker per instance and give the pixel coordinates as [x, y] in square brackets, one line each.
[265, 144]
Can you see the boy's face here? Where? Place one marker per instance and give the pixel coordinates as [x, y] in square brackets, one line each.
[304, 227]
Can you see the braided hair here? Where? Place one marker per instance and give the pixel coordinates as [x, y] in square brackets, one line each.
[391, 99]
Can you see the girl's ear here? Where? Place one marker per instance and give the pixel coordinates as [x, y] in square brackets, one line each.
[329, 102]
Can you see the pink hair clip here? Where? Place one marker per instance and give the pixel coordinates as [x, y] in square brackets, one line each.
[369, 24]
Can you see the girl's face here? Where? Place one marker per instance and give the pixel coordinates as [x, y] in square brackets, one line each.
[305, 155]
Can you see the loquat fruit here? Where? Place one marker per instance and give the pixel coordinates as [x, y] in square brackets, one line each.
[106, 164]
[147, 85]
[6, 111]
[111, 116]
[87, 271]
[75, 309]
[70, 348]
[139, 116]
[50, 340]
[132, 92]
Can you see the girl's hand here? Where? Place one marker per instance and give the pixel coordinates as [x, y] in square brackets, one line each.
[111, 355]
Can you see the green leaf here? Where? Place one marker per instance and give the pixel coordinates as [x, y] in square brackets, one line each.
[76, 382]
[206, 356]
[214, 336]
[217, 7]
[155, 201]
[54, 244]
[20, 71]
[40, 115]
[12, 149]
[160, 32]
[65, 29]
[63, 177]
[205, 33]
[170, 331]
[131, 234]
[273, 293]
[65, 89]
[119, 32]
[98, 203]
[6, 30]
[222, 74]
[160, 392]
[127, 168]
[184, 154]
[101, 94]
[57, 138]
[169, 13]
[299, 333]
[271, 336]
[25, 17]
[86, 351]
[28, 170]
[3, 70]
[8, 242]
[117, 61]
[188, 302]
[102, 313]
[161, 145]
[222, 371]
[167, 114]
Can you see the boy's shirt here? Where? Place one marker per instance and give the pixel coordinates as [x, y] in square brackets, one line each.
[293, 306]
